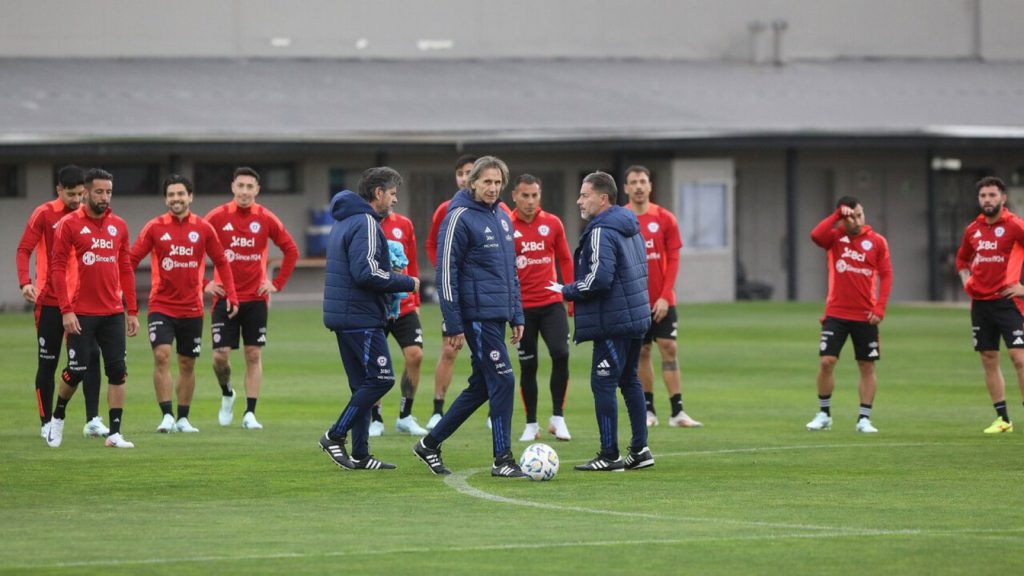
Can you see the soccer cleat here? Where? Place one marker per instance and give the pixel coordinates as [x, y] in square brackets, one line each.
[556, 426]
[530, 433]
[682, 420]
[336, 450]
[376, 428]
[249, 422]
[434, 419]
[166, 425]
[638, 460]
[821, 421]
[371, 463]
[652, 419]
[603, 464]
[432, 458]
[998, 427]
[95, 428]
[183, 425]
[225, 415]
[55, 435]
[864, 425]
[410, 426]
[118, 441]
[44, 431]
[505, 466]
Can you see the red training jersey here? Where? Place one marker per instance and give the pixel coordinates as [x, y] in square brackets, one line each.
[854, 265]
[104, 267]
[244, 235]
[661, 238]
[179, 248]
[539, 244]
[435, 228]
[38, 236]
[993, 253]
[399, 228]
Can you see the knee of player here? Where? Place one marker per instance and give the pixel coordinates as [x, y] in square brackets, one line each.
[667, 348]
[413, 356]
[828, 363]
[253, 354]
[162, 356]
[117, 373]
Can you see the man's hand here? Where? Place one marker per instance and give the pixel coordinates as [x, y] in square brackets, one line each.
[133, 325]
[232, 308]
[28, 292]
[874, 319]
[267, 287]
[215, 289]
[660, 309]
[1015, 290]
[517, 334]
[964, 275]
[416, 282]
[71, 325]
[455, 342]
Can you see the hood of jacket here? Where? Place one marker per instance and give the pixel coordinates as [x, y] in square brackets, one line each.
[617, 218]
[347, 203]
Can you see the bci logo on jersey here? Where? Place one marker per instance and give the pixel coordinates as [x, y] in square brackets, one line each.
[102, 243]
[182, 250]
[533, 246]
[988, 245]
[852, 255]
[242, 242]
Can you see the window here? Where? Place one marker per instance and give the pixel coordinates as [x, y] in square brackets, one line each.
[213, 179]
[703, 219]
[129, 179]
[10, 181]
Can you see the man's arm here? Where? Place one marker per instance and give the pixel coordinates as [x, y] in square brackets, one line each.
[364, 256]
[215, 251]
[30, 240]
[279, 234]
[964, 257]
[822, 233]
[884, 284]
[435, 229]
[599, 258]
[456, 238]
[142, 246]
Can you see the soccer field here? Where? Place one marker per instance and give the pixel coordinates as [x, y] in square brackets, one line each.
[751, 493]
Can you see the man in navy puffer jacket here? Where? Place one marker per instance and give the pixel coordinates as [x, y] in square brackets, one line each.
[610, 292]
[479, 290]
[357, 285]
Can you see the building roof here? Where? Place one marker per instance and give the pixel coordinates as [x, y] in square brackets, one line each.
[75, 101]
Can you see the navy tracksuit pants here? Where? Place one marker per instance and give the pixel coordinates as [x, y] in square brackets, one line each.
[367, 362]
[614, 367]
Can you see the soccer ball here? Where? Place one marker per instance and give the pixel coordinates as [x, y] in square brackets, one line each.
[539, 462]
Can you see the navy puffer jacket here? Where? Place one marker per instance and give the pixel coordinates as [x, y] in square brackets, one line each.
[476, 266]
[610, 284]
[358, 278]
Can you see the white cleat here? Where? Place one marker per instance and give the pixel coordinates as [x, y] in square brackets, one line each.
[227, 404]
[410, 426]
[249, 422]
[652, 419]
[44, 431]
[556, 426]
[531, 433]
[95, 428]
[166, 425]
[864, 425]
[821, 421]
[55, 435]
[183, 425]
[681, 420]
[118, 441]
[434, 419]
[376, 429]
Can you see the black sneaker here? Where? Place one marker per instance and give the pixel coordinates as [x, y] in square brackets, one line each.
[432, 458]
[638, 460]
[505, 466]
[603, 464]
[336, 450]
[371, 463]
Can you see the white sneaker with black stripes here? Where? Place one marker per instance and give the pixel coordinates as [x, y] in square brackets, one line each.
[371, 463]
[505, 466]
[336, 450]
[603, 464]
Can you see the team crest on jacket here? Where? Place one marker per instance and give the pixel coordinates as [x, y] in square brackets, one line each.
[254, 227]
[1000, 231]
[652, 227]
[504, 226]
[112, 230]
[543, 230]
[193, 236]
[382, 361]
[397, 234]
[866, 245]
[495, 355]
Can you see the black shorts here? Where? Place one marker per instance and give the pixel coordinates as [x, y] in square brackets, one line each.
[108, 332]
[552, 323]
[834, 331]
[666, 329]
[49, 332]
[251, 321]
[187, 332]
[406, 330]
[992, 318]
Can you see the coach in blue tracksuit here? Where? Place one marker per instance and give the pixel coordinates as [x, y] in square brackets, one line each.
[479, 290]
[357, 284]
[612, 310]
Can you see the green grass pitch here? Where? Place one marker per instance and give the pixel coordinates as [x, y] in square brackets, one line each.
[751, 493]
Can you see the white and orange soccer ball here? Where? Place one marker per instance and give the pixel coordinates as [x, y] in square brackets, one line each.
[539, 461]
